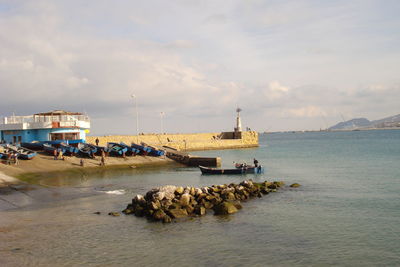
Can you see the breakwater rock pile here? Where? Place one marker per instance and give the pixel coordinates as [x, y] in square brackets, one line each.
[170, 202]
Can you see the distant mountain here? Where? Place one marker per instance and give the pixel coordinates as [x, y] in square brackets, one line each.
[363, 123]
[351, 124]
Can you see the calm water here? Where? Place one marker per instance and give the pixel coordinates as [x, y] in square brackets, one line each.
[346, 213]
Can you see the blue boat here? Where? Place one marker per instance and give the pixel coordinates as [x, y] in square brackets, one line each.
[116, 149]
[149, 150]
[143, 150]
[69, 142]
[35, 145]
[87, 150]
[23, 153]
[100, 148]
[69, 150]
[131, 150]
[49, 149]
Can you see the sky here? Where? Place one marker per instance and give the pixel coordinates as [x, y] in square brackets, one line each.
[289, 65]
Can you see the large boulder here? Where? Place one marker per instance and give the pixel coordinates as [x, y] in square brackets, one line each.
[159, 215]
[225, 208]
[185, 200]
[295, 185]
[177, 213]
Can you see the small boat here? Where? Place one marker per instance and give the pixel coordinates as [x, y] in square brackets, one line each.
[131, 150]
[49, 149]
[116, 149]
[69, 150]
[248, 170]
[69, 142]
[100, 148]
[156, 152]
[143, 150]
[87, 150]
[23, 153]
[35, 145]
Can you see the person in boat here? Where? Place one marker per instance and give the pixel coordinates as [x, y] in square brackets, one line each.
[255, 163]
[97, 141]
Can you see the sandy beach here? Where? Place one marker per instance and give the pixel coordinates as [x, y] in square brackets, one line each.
[43, 163]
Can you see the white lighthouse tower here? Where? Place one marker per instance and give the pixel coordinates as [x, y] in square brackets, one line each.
[238, 127]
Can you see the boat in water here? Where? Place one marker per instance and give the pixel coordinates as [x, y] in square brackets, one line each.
[244, 170]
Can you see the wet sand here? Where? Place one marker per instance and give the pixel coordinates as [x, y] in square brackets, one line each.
[18, 187]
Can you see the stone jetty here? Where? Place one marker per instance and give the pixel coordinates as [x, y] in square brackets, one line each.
[168, 203]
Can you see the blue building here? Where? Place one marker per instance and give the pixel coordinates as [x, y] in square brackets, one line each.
[53, 125]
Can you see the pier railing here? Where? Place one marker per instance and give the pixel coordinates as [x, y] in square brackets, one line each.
[36, 118]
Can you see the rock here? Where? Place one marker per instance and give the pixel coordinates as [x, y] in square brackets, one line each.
[139, 211]
[138, 199]
[200, 210]
[177, 213]
[279, 183]
[192, 191]
[207, 204]
[189, 209]
[159, 215]
[114, 213]
[225, 208]
[97, 212]
[185, 200]
[127, 211]
[295, 185]
[159, 196]
[155, 205]
[198, 192]
[166, 219]
[179, 190]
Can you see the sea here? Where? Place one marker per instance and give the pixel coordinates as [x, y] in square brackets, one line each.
[346, 212]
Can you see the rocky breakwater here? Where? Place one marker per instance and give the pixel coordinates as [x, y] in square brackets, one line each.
[170, 202]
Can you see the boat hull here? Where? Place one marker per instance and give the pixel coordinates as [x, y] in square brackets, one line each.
[214, 171]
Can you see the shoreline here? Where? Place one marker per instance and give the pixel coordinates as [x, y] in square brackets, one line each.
[43, 165]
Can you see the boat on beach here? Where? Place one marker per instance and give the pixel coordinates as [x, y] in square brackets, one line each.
[116, 149]
[244, 170]
[35, 145]
[49, 149]
[23, 153]
[87, 150]
[69, 150]
[131, 150]
[143, 150]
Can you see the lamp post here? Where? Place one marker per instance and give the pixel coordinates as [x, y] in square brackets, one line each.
[137, 118]
[161, 121]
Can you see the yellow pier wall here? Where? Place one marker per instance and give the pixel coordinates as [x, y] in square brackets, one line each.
[183, 142]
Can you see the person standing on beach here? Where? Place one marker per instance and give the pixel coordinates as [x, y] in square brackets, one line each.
[97, 141]
[55, 154]
[16, 162]
[103, 160]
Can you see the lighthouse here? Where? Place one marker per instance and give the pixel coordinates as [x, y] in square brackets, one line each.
[238, 127]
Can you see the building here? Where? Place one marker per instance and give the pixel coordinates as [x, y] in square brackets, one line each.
[53, 125]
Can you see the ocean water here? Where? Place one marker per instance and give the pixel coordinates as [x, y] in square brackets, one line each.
[346, 213]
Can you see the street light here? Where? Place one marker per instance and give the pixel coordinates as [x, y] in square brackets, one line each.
[137, 118]
[161, 121]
